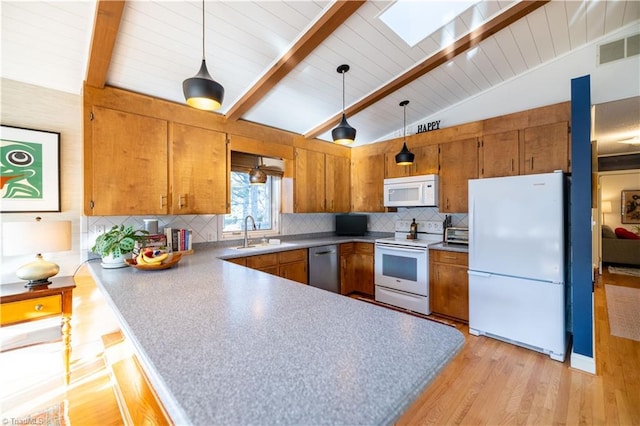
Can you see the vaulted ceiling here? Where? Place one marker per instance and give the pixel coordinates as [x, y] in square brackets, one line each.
[277, 60]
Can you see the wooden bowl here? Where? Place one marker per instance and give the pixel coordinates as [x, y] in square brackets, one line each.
[167, 263]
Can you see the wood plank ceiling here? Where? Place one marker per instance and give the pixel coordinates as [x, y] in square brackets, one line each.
[277, 59]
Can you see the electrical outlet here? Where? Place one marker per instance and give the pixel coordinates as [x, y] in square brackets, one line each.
[98, 229]
[211, 236]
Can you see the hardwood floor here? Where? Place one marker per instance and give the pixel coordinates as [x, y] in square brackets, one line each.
[489, 382]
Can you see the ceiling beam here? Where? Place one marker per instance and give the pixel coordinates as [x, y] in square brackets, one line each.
[470, 40]
[335, 16]
[103, 39]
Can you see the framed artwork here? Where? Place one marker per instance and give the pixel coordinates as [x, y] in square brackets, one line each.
[30, 170]
[631, 206]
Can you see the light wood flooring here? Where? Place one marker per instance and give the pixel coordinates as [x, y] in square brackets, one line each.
[489, 382]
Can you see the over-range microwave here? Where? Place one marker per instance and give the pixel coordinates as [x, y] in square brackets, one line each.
[411, 191]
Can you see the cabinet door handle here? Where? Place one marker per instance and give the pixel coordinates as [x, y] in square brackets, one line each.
[39, 307]
[162, 203]
[512, 164]
[186, 200]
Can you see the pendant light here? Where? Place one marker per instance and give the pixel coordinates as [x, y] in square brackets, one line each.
[343, 134]
[201, 91]
[404, 157]
[257, 176]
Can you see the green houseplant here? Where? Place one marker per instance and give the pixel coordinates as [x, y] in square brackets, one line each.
[118, 241]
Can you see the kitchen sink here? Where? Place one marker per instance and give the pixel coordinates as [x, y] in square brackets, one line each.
[263, 246]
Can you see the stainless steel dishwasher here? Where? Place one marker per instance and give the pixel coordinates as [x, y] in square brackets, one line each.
[323, 268]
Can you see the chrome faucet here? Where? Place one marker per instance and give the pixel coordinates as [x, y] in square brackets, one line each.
[246, 227]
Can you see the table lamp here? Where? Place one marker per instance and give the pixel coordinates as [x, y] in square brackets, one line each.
[36, 237]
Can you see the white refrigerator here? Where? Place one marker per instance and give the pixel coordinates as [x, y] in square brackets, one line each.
[517, 261]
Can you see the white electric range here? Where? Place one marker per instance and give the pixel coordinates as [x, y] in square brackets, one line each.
[402, 265]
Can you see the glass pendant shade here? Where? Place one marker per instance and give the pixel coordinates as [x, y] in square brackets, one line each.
[405, 157]
[344, 134]
[257, 176]
[203, 92]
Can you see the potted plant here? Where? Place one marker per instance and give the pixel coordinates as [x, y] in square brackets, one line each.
[116, 243]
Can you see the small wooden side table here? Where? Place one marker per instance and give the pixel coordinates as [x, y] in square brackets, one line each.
[21, 304]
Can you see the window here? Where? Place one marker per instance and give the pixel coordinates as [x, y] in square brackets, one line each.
[262, 202]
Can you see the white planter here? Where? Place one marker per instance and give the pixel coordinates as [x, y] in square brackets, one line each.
[110, 262]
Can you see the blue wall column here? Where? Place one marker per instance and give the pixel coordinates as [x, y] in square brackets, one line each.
[580, 216]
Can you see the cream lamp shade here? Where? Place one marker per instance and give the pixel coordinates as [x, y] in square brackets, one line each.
[36, 237]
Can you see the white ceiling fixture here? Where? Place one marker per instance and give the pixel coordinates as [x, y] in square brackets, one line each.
[413, 21]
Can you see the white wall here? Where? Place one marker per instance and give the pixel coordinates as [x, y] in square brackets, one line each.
[34, 107]
[611, 185]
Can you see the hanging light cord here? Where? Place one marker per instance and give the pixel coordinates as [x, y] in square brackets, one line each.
[203, 27]
[343, 92]
[404, 126]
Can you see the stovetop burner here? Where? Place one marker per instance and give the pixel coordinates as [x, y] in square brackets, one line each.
[429, 232]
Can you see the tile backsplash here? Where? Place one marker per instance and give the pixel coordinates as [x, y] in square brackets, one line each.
[205, 227]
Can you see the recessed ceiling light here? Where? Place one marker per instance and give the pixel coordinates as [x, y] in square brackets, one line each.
[414, 20]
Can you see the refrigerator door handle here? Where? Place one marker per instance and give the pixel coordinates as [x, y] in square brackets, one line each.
[479, 274]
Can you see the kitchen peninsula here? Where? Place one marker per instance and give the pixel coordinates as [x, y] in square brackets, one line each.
[225, 344]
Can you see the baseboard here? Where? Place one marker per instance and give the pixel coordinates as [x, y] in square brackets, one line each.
[584, 363]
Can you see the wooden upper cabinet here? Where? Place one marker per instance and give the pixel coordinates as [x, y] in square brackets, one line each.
[337, 184]
[322, 182]
[391, 169]
[425, 162]
[499, 155]
[546, 148]
[458, 163]
[367, 179]
[309, 187]
[127, 164]
[198, 170]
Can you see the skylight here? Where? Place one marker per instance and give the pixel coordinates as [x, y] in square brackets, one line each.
[415, 20]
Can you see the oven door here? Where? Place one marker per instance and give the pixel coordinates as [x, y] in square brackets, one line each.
[402, 268]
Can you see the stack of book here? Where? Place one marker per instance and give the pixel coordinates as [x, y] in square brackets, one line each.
[153, 241]
[179, 239]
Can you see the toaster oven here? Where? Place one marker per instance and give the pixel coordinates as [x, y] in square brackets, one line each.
[455, 235]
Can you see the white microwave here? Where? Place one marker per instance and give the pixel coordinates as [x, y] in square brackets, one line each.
[411, 191]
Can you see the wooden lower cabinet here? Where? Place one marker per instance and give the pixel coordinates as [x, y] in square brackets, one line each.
[137, 399]
[449, 284]
[356, 268]
[291, 264]
[238, 261]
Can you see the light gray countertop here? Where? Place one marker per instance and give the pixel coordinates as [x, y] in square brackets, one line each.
[462, 248]
[233, 250]
[225, 344]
